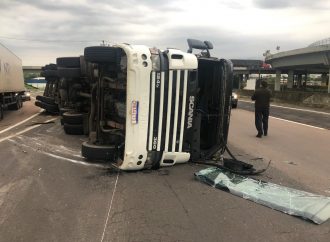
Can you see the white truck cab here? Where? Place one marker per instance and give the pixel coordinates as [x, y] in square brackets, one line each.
[147, 110]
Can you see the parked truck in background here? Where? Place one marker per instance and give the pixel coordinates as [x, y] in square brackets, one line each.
[11, 81]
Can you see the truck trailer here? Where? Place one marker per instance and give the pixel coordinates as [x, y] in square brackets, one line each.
[11, 81]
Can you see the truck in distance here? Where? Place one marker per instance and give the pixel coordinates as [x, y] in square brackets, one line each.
[11, 81]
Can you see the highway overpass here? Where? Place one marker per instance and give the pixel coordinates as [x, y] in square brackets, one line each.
[314, 59]
[31, 70]
[244, 67]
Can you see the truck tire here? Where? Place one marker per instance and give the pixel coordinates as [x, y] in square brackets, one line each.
[50, 73]
[63, 110]
[101, 54]
[51, 108]
[48, 107]
[44, 99]
[38, 104]
[99, 152]
[20, 102]
[17, 105]
[69, 72]
[50, 67]
[71, 62]
[73, 117]
[75, 129]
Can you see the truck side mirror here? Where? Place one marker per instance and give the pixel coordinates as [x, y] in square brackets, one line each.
[208, 44]
[196, 44]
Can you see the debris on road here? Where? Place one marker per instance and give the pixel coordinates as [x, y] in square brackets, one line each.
[288, 200]
[290, 162]
[39, 123]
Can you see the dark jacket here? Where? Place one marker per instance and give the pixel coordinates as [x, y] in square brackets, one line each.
[261, 97]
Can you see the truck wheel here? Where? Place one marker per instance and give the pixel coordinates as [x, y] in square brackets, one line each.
[38, 104]
[75, 129]
[97, 54]
[63, 110]
[50, 67]
[69, 72]
[20, 102]
[48, 107]
[16, 105]
[50, 73]
[73, 117]
[71, 62]
[99, 152]
[51, 108]
[44, 99]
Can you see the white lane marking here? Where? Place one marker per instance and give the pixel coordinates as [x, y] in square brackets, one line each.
[25, 130]
[15, 125]
[289, 121]
[110, 207]
[21, 132]
[298, 109]
[73, 161]
[61, 157]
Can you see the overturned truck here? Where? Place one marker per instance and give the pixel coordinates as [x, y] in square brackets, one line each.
[151, 108]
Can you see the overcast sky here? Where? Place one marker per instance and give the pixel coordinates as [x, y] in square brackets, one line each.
[237, 29]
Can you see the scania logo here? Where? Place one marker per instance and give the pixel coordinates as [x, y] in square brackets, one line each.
[191, 111]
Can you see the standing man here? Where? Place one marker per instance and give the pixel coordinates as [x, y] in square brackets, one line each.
[262, 97]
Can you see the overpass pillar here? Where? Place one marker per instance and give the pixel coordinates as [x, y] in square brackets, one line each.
[306, 79]
[299, 80]
[278, 81]
[240, 80]
[290, 79]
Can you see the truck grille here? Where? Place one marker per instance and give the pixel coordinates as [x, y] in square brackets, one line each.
[168, 99]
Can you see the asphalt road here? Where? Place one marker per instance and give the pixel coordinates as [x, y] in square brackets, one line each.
[12, 117]
[304, 116]
[48, 192]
